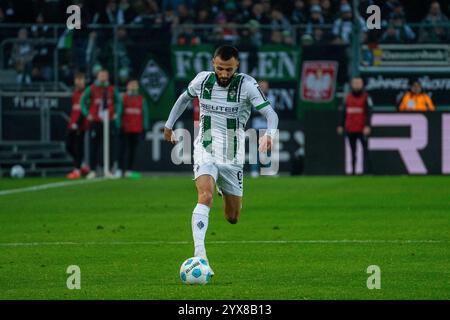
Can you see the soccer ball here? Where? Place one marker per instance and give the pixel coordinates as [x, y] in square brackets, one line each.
[195, 271]
[17, 172]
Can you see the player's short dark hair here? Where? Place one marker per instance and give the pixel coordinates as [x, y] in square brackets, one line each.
[79, 75]
[226, 52]
[131, 79]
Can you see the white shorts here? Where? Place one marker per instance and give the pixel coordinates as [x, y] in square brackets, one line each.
[228, 177]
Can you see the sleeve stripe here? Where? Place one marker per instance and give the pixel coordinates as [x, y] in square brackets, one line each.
[262, 105]
[189, 94]
[239, 91]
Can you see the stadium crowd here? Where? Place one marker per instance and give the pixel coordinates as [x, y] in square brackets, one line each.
[239, 22]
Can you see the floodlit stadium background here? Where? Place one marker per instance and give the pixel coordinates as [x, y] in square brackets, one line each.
[309, 233]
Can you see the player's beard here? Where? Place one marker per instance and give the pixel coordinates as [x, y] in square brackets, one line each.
[223, 82]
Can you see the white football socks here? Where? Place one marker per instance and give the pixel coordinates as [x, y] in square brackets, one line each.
[199, 226]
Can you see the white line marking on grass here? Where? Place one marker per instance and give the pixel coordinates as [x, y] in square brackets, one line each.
[48, 186]
[120, 243]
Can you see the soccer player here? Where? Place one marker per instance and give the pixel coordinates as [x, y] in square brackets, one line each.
[226, 98]
[77, 126]
[99, 96]
[355, 120]
[134, 122]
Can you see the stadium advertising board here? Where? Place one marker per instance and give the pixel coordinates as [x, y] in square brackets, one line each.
[154, 154]
[387, 88]
[400, 143]
[410, 55]
[25, 116]
[279, 65]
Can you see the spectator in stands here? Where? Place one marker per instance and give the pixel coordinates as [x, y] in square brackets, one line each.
[184, 15]
[215, 7]
[118, 50]
[288, 39]
[251, 35]
[110, 15]
[259, 15]
[342, 27]
[327, 11]
[191, 38]
[276, 37]
[126, 12]
[135, 119]
[52, 10]
[355, 120]
[9, 10]
[298, 15]
[279, 21]
[172, 4]
[316, 19]
[245, 11]
[388, 9]
[100, 96]
[416, 100]
[267, 7]
[22, 56]
[225, 30]
[43, 61]
[84, 42]
[203, 17]
[230, 11]
[398, 31]
[149, 14]
[77, 127]
[434, 32]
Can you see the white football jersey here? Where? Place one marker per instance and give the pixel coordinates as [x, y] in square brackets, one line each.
[224, 112]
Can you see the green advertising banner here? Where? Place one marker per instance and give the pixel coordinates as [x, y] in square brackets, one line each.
[157, 86]
[278, 64]
[273, 63]
[299, 79]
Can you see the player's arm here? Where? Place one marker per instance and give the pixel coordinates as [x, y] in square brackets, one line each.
[258, 100]
[402, 106]
[429, 102]
[265, 142]
[342, 112]
[178, 108]
[84, 102]
[181, 104]
[369, 105]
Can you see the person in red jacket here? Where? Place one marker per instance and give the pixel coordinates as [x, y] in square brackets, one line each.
[135, 119]
[355, 120]
[77, 127]
[99, 96]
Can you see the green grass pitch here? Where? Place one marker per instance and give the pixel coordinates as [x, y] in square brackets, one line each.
[129, 238]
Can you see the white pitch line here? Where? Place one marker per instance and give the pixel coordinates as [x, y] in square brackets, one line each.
[120, 243]
[48, 186]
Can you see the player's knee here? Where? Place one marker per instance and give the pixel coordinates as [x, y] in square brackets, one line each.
[205, 197]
